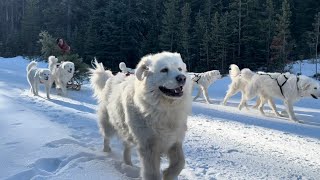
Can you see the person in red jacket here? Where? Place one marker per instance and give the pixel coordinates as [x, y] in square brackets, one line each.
[65, 48]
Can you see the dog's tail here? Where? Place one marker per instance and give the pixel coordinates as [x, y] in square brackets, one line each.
[98, 78]
[247, 74]
[31, 65]
[234, 71]
[52, 61]
[123, 67]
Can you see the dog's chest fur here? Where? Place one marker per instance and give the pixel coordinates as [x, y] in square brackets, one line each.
[144, 121]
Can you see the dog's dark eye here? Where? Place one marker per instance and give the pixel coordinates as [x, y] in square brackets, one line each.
[315, 88]
[180, 69]
[164, 70]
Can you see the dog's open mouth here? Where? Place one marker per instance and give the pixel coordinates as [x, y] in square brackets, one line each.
[70, 71]
[314, 96]
[177, 92]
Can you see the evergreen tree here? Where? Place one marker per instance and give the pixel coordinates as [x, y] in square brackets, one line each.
[49, 47]
[215, 37]
[152, 26]
[31, 27]
[224, 36]
[185, 32]
[202, 37]
[169, 31]
[316, 33]
[269, 28]
[281, 43]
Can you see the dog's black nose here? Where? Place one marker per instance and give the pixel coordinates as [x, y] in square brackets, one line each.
[181, 79]
[70, 69]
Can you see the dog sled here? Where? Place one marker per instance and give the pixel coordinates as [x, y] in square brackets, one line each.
[74, 84]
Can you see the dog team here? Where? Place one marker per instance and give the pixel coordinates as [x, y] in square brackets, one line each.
[147, 107]
[58, 73]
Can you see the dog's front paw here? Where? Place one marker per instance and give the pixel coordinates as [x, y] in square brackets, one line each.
[295, 120]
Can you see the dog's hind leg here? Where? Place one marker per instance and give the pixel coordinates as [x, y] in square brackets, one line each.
[127, 154]
[243, 102]
[177, 162]
[36, 87]
[106, 128]
[258, 102]
[273, 107]
[261, 105]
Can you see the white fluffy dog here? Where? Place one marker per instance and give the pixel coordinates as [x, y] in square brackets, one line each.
[124, 69]
[239, 83]
[38, 76]
[149, 110]
[203, 81]
[61, 73]
[287, 87]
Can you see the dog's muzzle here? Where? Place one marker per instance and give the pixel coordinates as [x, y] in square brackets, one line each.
[46, 78]
[177, 92]
[70, 70]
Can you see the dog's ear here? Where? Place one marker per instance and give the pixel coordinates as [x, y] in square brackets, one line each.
[37, 74]
[143, 68]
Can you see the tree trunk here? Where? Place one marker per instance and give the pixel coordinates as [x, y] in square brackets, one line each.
[317, 41]
[69, 19]
[239, 30]
[12, 16]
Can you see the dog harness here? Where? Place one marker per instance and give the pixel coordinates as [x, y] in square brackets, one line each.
[280, 85]
[297, 83]
[196, 78]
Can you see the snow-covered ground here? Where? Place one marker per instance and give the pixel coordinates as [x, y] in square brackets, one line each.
[59, 138]
[307, 67]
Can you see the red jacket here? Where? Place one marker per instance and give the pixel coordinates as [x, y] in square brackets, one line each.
[64, 47]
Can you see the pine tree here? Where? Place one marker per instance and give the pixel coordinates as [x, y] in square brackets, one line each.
[49, 47]
[203, 40]
[31, 26]
[224, 35]
[169, 31]
[185, 32]
[152, 26]
[316, 33]
[270, 25]
[281, 43]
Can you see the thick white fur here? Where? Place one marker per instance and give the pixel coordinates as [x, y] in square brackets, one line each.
[293, 90]
[134, 108]
[124, 69]
[238, 83]
[36, 76]
[203, 81]
[61, 73]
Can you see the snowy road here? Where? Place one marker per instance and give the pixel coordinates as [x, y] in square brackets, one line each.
[59, 139]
